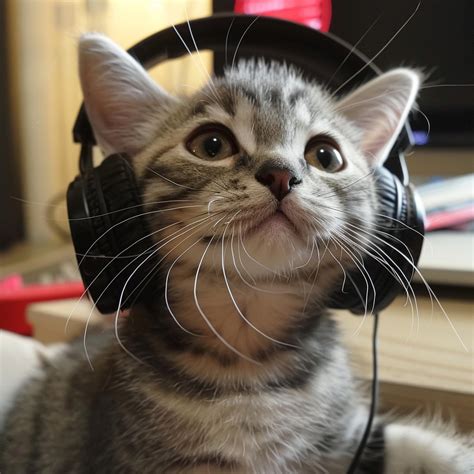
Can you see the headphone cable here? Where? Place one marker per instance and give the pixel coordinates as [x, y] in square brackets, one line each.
[373, 403]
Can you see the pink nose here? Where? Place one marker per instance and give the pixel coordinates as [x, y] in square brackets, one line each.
[280, 181]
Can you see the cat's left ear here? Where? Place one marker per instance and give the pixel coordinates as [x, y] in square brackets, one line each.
[379, 109]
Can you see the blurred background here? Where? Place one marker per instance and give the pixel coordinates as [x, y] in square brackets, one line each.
[40, 97]
[40, 91]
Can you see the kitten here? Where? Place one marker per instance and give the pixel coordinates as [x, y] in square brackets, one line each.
[263, 193]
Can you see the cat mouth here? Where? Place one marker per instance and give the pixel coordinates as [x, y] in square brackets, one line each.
[278, 221]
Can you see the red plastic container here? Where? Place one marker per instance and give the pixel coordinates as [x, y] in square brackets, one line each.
[15, 298]
[313, 13]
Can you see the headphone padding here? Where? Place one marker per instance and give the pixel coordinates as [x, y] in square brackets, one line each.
[395, 249]
[110, 232]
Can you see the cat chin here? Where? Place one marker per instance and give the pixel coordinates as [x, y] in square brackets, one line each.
[279, 249]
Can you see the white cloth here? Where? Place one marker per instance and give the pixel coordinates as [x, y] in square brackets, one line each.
[20, 359]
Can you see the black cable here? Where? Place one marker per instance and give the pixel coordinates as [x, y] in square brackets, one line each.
[373, 403]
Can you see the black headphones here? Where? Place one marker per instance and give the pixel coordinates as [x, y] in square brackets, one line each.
[104, 201]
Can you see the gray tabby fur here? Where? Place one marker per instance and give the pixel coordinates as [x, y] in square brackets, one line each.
[271, 393]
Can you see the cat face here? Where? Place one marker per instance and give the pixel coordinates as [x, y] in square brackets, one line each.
[259, 164]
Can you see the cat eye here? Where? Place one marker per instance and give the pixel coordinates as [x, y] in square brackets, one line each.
[212, 142]
[322, 153]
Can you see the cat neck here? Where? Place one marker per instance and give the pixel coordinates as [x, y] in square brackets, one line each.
[236, 316]
[225, 332]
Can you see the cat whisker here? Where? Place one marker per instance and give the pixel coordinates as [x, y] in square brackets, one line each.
[107, 265]
[203, 71]
[128, 280]
[128, 256]
[361, 229]
[211, 201]
[389, 266]
[375, 224]
[354, 47]
[147, 213]
[127, 163]
[240, 41]
[367, 278]
[152, 272]
[359, 263]
[206, 319]
[320, 259]
[381, 257]
[369, 235]
[241, 263]
[432, 86]
[350, 106]
[63, 206]
[168, 239]
[168, 273]
[309, 259]
[250, 256]
[332, 194]
[234, 302]
[227, 41]
[206, 73]
[406, 226]
[343, 284]
[170, 180]
[428, 123]
[373, 58]
[31, 202]
[128, 208]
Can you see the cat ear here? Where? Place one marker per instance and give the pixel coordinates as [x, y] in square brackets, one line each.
[379, 109]
[122, 102]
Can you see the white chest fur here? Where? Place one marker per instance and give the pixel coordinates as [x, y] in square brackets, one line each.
[262, 433]
[246, 318]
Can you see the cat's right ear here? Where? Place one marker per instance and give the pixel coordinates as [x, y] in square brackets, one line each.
[379, 109]
[122, 101]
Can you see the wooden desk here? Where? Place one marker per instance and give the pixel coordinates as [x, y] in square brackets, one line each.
[422, 366]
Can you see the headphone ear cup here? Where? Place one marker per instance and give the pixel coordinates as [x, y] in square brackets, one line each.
[110, 234]
[396, 247]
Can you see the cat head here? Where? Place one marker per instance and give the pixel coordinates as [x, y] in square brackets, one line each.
[259, 166]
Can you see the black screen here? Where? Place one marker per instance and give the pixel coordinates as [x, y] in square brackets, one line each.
[439, 40]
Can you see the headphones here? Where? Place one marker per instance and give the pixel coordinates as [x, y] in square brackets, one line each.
[104, 204]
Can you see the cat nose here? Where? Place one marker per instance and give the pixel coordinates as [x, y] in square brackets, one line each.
[280, 181]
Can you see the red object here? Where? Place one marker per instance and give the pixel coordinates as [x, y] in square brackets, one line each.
[313, 13]
[449, 218]
[15, 298]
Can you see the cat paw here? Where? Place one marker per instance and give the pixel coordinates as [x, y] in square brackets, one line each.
[419, 450]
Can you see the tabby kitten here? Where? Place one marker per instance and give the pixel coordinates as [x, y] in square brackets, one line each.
[259, 193]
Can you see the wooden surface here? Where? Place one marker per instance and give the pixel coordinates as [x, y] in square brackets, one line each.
[423, 367]
[26, 259]
[63, 320]
[423, 402]
[420, 351]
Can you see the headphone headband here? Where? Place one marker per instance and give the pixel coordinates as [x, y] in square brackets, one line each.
[294, 43]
